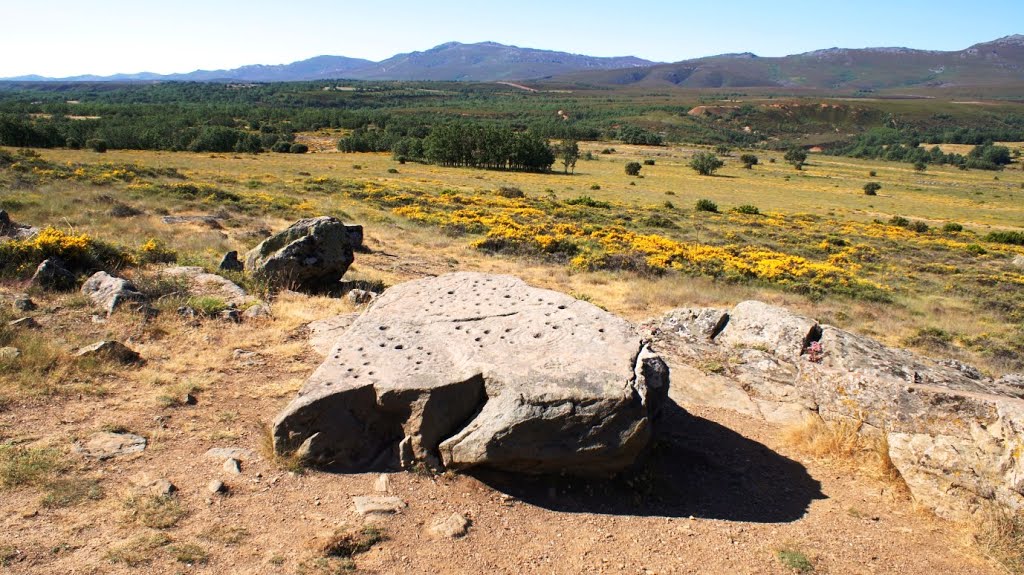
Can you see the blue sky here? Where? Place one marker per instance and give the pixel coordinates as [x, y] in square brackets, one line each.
[65, 37]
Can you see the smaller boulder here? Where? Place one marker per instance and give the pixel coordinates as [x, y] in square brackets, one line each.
[257, 311]
[375, 505]
[110, 350]
[1018, 261]
[23, 303]
[217, 487]
[311, 255]
[109, 293]
[107, 445]
[383, 484]
[14, 231]
[450, 527]
[231, 315]
[9, 353]
[52, 275]
[230, 453]
[231, 263]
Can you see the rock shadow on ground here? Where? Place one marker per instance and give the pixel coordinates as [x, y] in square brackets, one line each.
[696, 468]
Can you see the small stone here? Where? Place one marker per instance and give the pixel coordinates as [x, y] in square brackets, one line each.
[24, 323]
[9, 353]
[188, 399]
[383, 484]
[1018, 261]
[231, 315]
[23, 303]
[375, 505]
[257, 311]
[110, 350]
[360, 297]
[232, 466]
[231, 263]
[217, 487]
[107, 445]
[452, 527]
[160, 487]
[187, 312]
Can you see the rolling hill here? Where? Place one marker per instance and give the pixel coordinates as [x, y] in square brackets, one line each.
[998, 62]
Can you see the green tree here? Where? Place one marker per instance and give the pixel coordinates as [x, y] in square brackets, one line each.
[871, 188]
[568, 153]
[796, 156]
[633, 169]
[749, 160]
[705, 163]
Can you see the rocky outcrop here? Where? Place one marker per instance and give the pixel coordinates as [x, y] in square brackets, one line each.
[14, 231]
[109, 350]
[53, 275]
[467, 370]
[955, 436]
[311, 255]
[201, 283]
[109, 293]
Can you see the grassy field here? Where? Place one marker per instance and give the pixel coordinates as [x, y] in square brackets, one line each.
[635, 245]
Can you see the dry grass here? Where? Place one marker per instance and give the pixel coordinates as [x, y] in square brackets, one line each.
[287, 461]
[138, 550]
[848, 442]
[28, 466]
[157, 512]
[1000, 533]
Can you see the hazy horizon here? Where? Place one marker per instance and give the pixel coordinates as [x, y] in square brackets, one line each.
[69, 38]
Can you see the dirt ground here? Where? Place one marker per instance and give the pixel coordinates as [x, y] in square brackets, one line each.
[720, 492]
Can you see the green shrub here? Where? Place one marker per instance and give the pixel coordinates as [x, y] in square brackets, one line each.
[704, 205]
[281, 147]
[648, 162]
[298, 149]
[633, 169]
[588, 202]
[1006, 237]
[207, 305]
[899, 221]
[510, 192]
[918, 226]
[871, 188]
[97, 145]
[952, 227]
[747, 209]
[595, 186]
[975, 249]
[749, 160]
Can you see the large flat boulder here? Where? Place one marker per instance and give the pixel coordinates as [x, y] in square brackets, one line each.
[467, 370]
[310, 255]
[202, 283]
[955, 436]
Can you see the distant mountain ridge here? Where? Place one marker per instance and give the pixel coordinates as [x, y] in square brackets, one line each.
[452, 61]
[998, 62]
[995, 63]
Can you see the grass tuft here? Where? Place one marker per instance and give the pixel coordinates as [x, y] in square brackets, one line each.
[27, 466]
[138, 550]
[1000, 534]
[157, 512]
[795, 559]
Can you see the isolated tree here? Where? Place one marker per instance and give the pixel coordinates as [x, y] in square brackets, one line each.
[568, 153]
[722, 149]
[796, 156]
[920, 166]
[749, 160]
[633, 169]
[871, 188]
[705, 163]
